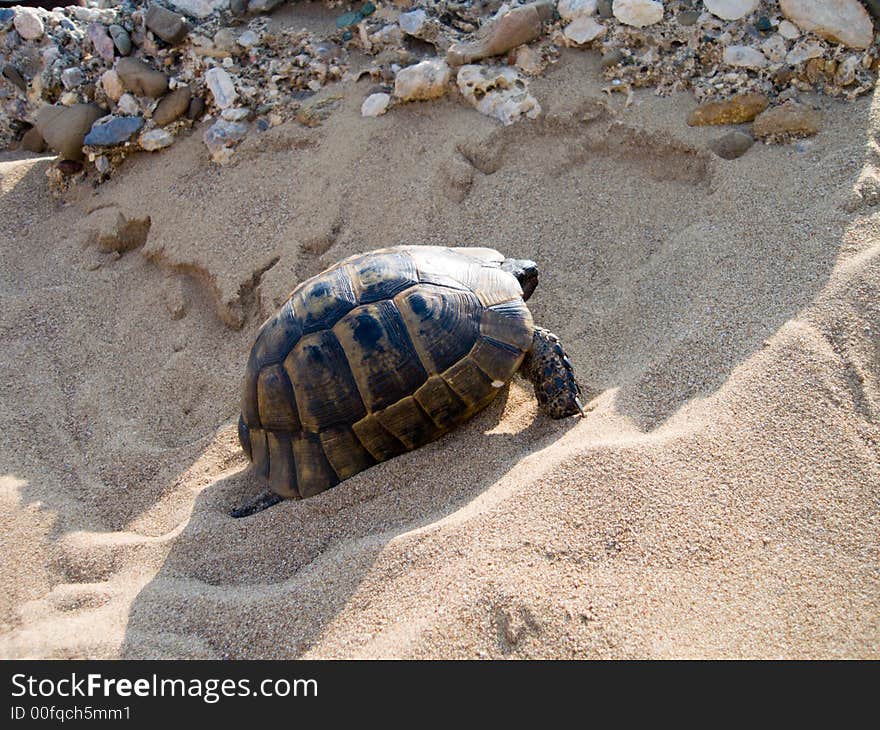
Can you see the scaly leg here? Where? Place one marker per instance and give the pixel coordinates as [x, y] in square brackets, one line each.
[549, 370]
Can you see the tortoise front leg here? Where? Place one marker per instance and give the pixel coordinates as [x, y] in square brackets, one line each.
[263, 500]
[549, 370]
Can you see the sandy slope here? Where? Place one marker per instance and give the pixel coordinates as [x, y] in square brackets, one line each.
[720, 500]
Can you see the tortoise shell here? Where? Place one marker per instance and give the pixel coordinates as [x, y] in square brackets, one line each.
[375, 356]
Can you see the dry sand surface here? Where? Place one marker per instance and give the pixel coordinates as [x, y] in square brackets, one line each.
[720, 499]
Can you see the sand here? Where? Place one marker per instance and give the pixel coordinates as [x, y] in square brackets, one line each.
[719, 500]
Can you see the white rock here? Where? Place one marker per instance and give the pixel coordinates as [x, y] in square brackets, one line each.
[571, 9]
[583, 30]
[788, 30]
[529, 61]
[638, 13]
[112, 84]
[425, 80]
[236, 114]
[774, 48]
[156, 139]
[730, 9]
[497, 92]
[221, 86]
[194, 8]
[745, 57]
[94, 15]
[412, 22]
[841, 21]
[28, 23]
[375, 105]
[127, 104]
[804, 51]
[248, 39]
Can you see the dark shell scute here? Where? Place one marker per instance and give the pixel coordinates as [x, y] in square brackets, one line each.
[325, 389]
[444, 323]
[382, 275]
[320, 302]
[380, 353]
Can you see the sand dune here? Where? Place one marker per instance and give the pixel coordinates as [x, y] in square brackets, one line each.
[720, 499]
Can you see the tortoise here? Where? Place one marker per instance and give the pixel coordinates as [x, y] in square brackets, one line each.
[384, 352]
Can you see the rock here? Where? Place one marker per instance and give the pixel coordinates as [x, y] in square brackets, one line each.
[731, 145]
[170, 27]
[113, 130]
[262, 6]
[112, 84]
[687, 18]
[172, 106]
[846, 71]
[840, 21]
[7, 18]
[763, 24]
[735, 110]
[788, 30]
[497, 92]
[71, 77]
[14, 76]
[102, 42]
[425, 80]
[583, 30]
[412, 22]
[789, 120]
[196, 108]
[730, 9]
[221, 86]
[314, 112]
[121, 39]
[638, 13]
[375, 105]
[28, 23]
[33, 141]
[221, 136]
[238, 7]
[605, 10]
[155, 139]
[515, 27]
[140, 78]
[248, 39]
[744, 57]
[93, 15]
[571, 9]
[528, 60]
[193, 8]
[128, 105]
[774, 48]
[235, 115]
[804, 51]
[64, 128]
[224, 42]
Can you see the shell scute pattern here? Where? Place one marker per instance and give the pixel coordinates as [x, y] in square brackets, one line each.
[376, 356]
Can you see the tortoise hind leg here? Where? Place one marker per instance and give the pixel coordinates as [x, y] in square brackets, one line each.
[263, 500]
[549, 370]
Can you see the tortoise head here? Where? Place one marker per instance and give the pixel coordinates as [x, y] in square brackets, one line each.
[526, 273]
